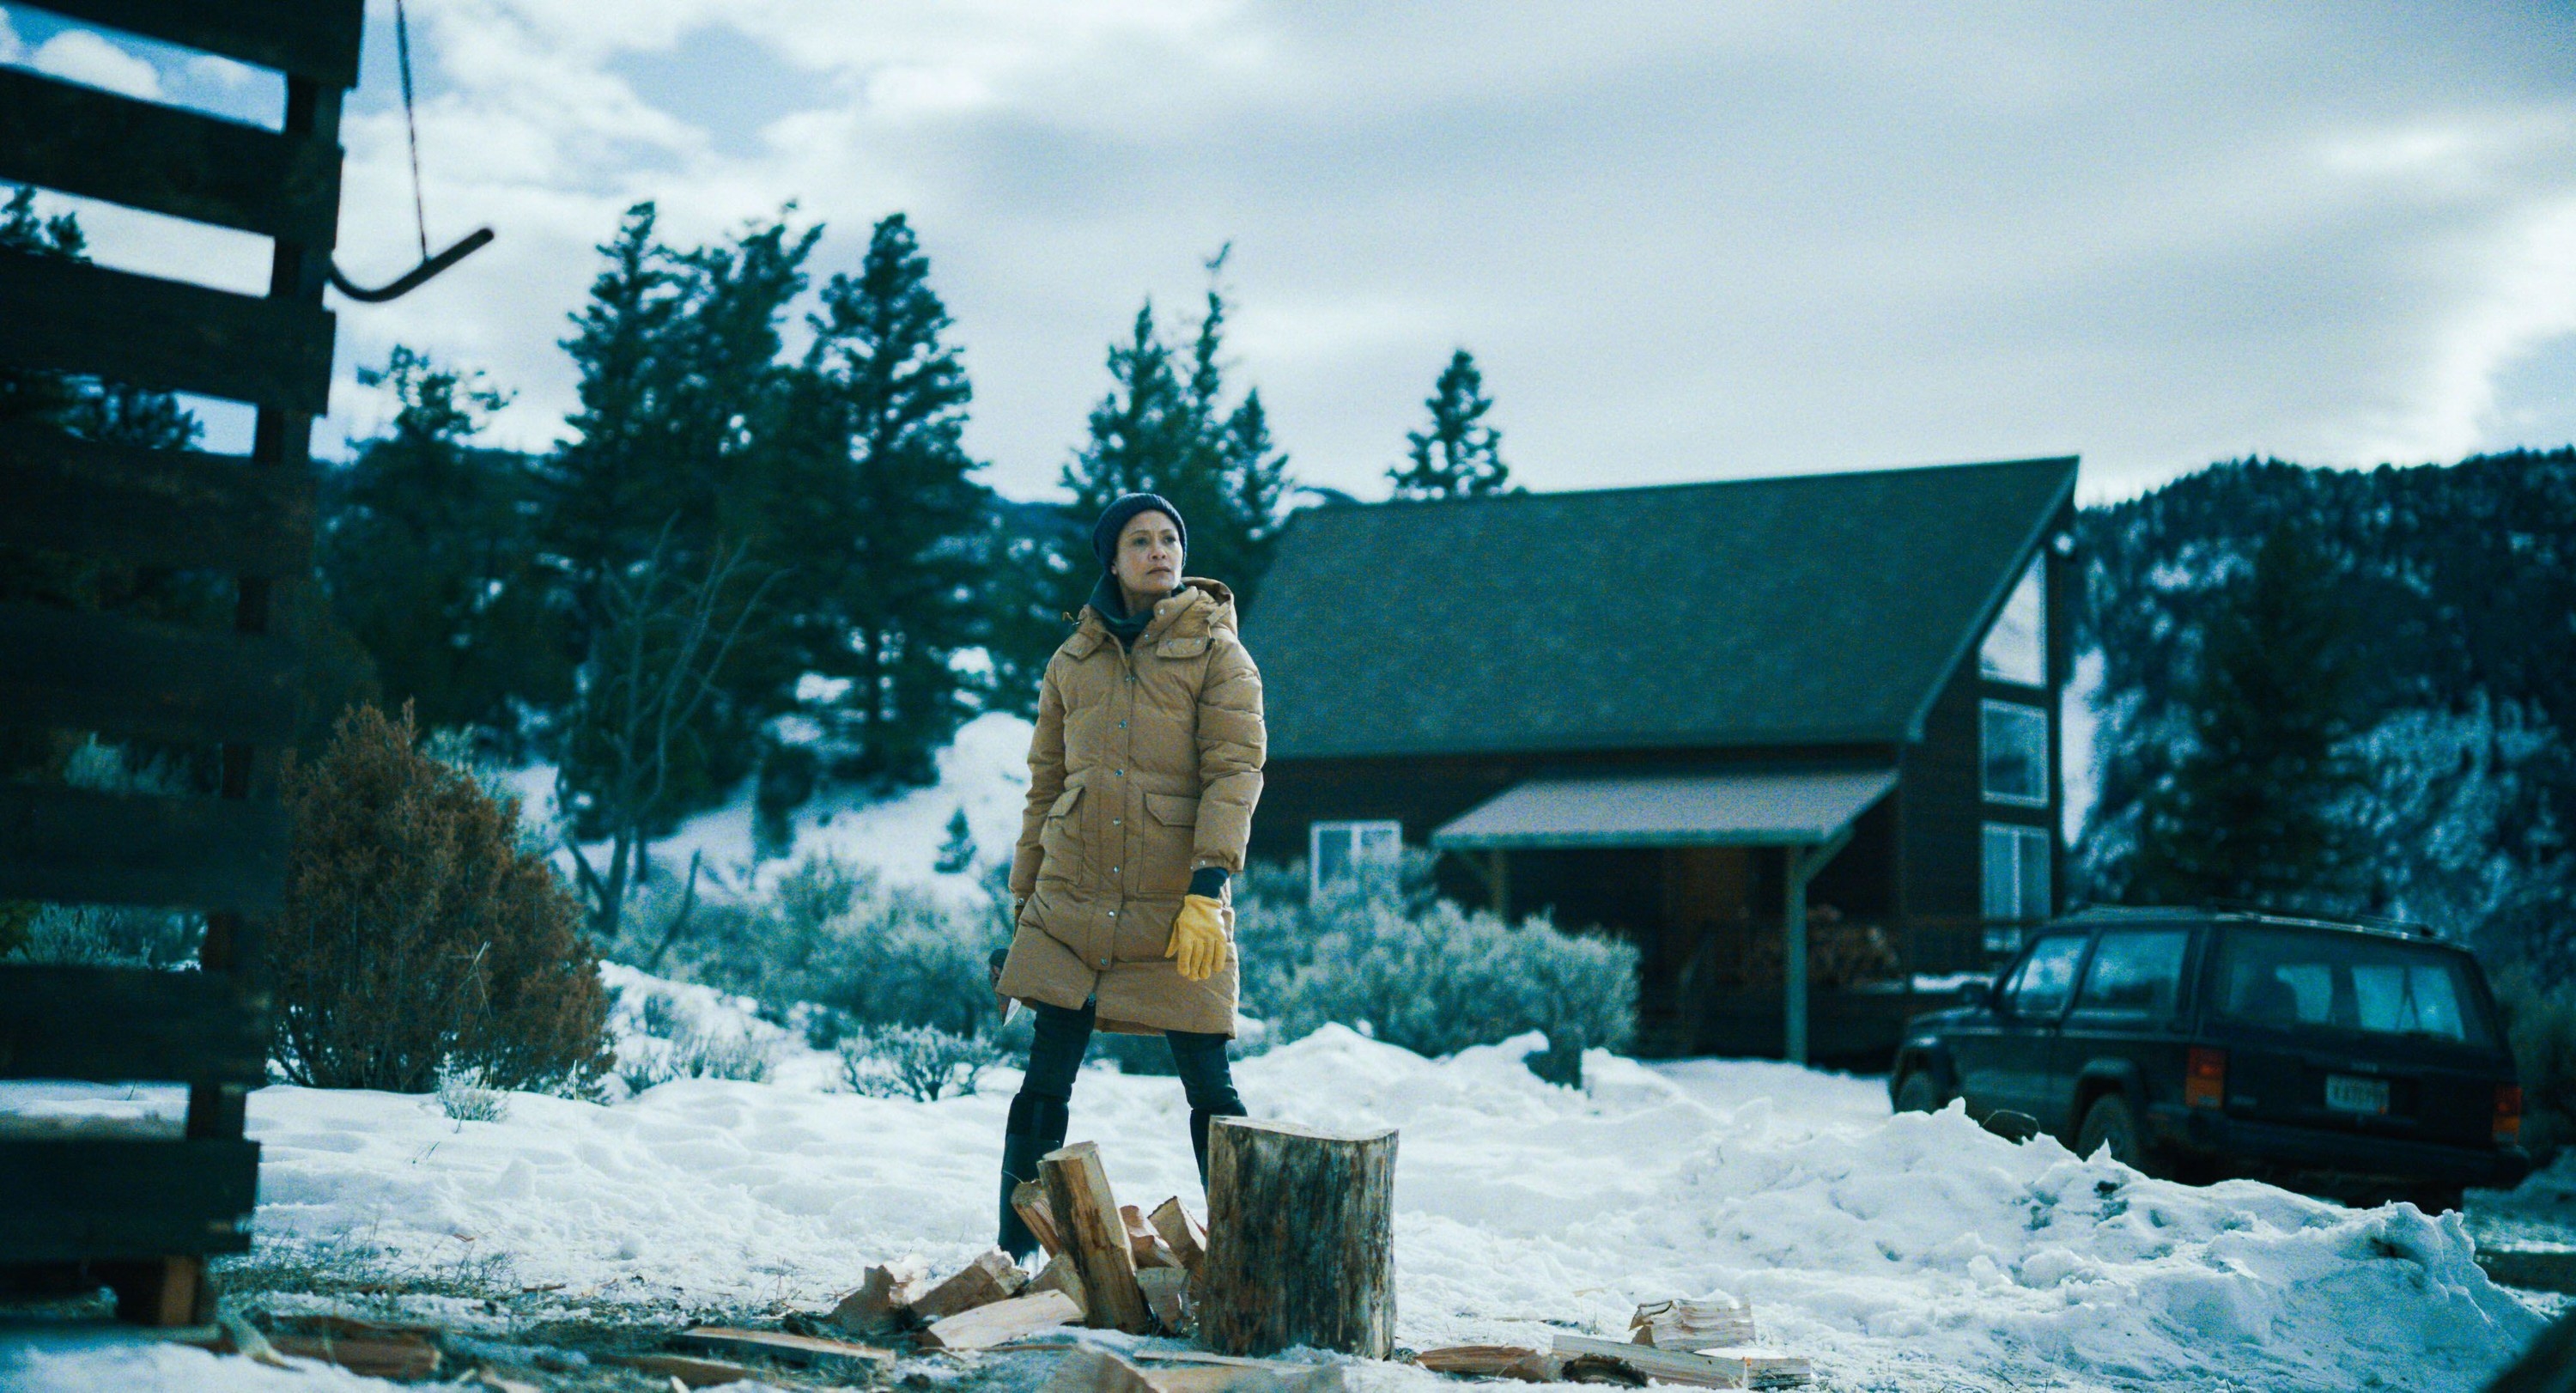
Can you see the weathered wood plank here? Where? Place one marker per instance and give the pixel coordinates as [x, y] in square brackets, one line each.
[76, 846]
[104, 672]
[987, 1326]
[1300, 1240]
[169, 335]
[70, 1200]
[97, 144]
[309, 38]
[115, 1024]
[172, 508]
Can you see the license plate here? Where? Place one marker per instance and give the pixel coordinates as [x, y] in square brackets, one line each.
[2345, 1093]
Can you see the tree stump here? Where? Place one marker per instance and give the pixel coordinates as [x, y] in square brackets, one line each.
[1300, 1242]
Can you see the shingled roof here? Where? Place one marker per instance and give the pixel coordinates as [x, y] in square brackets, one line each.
[1819, 609]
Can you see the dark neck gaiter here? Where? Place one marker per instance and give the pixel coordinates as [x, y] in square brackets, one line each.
[1107, 598]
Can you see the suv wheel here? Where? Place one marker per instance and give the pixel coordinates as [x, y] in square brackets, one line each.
[1918, 1093]
[2109, 1122]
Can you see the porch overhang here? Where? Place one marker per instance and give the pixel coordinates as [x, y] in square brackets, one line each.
[1766, 808]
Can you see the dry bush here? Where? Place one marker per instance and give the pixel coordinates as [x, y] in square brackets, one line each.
[417, 935]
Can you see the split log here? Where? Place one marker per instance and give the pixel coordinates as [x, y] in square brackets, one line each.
[1167, 1295]
[1494, 1361]
[1301, 1240]
[1088, 1370]
[1181, 1231]
[1143, 1243]
[1087, 1218]
[1030, 1200]
[1718, 1322]
[991, 1277]
[831, 1356]
[1704, 1370]
[689, 1370]
[1058, 1275]
[881, 1305]
[987, 1326]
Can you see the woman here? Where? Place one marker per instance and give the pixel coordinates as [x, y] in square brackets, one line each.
[1142, 779]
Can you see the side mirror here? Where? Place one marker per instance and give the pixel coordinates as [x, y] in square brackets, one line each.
[1977, 994]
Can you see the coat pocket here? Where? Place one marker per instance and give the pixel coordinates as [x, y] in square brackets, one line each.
[1171, 827]
[1061, 837]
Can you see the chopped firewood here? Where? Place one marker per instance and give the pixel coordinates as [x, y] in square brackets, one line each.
[1087, 1370]
[1029, 1198]
[835, 1356]
[1181, 1230]
[1271, 1377]
[987, 1326]
[1086, 1213]
[1494, 1361]
[1058, 1275]
[991, 1277]
[1592, 1368]
[685, 1370]
[1167, 1295]
[492, 1382]
[1729, 1370]
[1721, 1321]
[399, 1356]
[1143, 1243]
[881, 1305]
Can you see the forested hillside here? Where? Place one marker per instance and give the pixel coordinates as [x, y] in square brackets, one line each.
[2416, 638]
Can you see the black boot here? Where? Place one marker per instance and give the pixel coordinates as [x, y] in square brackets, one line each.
[1036, 1127]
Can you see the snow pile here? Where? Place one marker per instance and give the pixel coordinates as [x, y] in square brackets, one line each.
[1909, 1251]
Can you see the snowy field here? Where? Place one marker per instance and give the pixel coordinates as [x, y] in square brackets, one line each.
[1913, 1252]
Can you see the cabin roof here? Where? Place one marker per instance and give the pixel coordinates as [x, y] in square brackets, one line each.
[1806, 610]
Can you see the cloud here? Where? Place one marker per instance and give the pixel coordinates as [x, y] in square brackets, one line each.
[1684, 240]
[82, 56]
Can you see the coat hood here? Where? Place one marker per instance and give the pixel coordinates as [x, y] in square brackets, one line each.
[1202, 606]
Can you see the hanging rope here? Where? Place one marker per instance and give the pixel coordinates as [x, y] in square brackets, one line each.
[411, 124]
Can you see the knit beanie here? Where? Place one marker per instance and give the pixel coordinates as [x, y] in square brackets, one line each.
[1114, 519]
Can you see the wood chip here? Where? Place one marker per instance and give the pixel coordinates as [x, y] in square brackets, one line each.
[881, 1304]
[991, 1277]
[1494, 1361]
[837, 1356]
[1181, 1231]
[1717, 1322]
[987, 1326]
[496, 1383]
[1730, 1370]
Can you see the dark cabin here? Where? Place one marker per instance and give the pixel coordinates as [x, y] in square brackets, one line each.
[1689, 715]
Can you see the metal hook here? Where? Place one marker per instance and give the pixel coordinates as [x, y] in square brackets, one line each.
[414, 278]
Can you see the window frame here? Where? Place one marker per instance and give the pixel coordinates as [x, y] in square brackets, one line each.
[1987, 708]
[1356, 829]
[2019, 833]
[2085, 1005]
[2008, 996]
[2033, 584]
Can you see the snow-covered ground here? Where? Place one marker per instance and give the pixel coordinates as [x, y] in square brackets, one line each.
[1900, 1252]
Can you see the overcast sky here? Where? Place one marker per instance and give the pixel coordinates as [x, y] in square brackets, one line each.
[1686, 241]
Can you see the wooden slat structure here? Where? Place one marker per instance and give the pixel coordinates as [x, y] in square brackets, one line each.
[142, 1212]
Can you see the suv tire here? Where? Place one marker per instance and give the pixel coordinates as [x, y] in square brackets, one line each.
[2110, 1122]
[1918, 1093]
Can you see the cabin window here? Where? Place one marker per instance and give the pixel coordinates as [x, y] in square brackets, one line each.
[1336, 849]
[2016, 648]
[2015, 742]
[2016, 873]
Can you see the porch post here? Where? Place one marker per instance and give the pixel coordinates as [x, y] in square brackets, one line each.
[1500, 879]
[1793, 949]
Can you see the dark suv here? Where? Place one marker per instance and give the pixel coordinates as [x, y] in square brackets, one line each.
[2202, 1044]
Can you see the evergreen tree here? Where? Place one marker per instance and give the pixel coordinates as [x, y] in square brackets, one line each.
[1160, 431]
[875, 515]
[959, 851]
[1459, 456]
[428, 551]
[2254, 810]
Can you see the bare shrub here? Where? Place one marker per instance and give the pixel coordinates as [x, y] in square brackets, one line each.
[691, 1053]
[922, 1063]
[417, 935]
[462, 1096]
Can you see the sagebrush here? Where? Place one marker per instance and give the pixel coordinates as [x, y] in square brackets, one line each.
[416, 934]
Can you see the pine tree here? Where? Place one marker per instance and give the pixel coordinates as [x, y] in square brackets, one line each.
[2253, 811]
[1459, 456]
[958, 852]
[1158, 431]
[876, 513]
[429, 554]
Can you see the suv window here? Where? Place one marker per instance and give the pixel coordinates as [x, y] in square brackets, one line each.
[2040, 986]
[2287, 977]
[2136, 972]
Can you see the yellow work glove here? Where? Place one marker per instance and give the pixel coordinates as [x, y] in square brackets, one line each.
[1198, 937]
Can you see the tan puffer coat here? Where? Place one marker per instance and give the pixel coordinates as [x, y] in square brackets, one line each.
[1145, 766]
